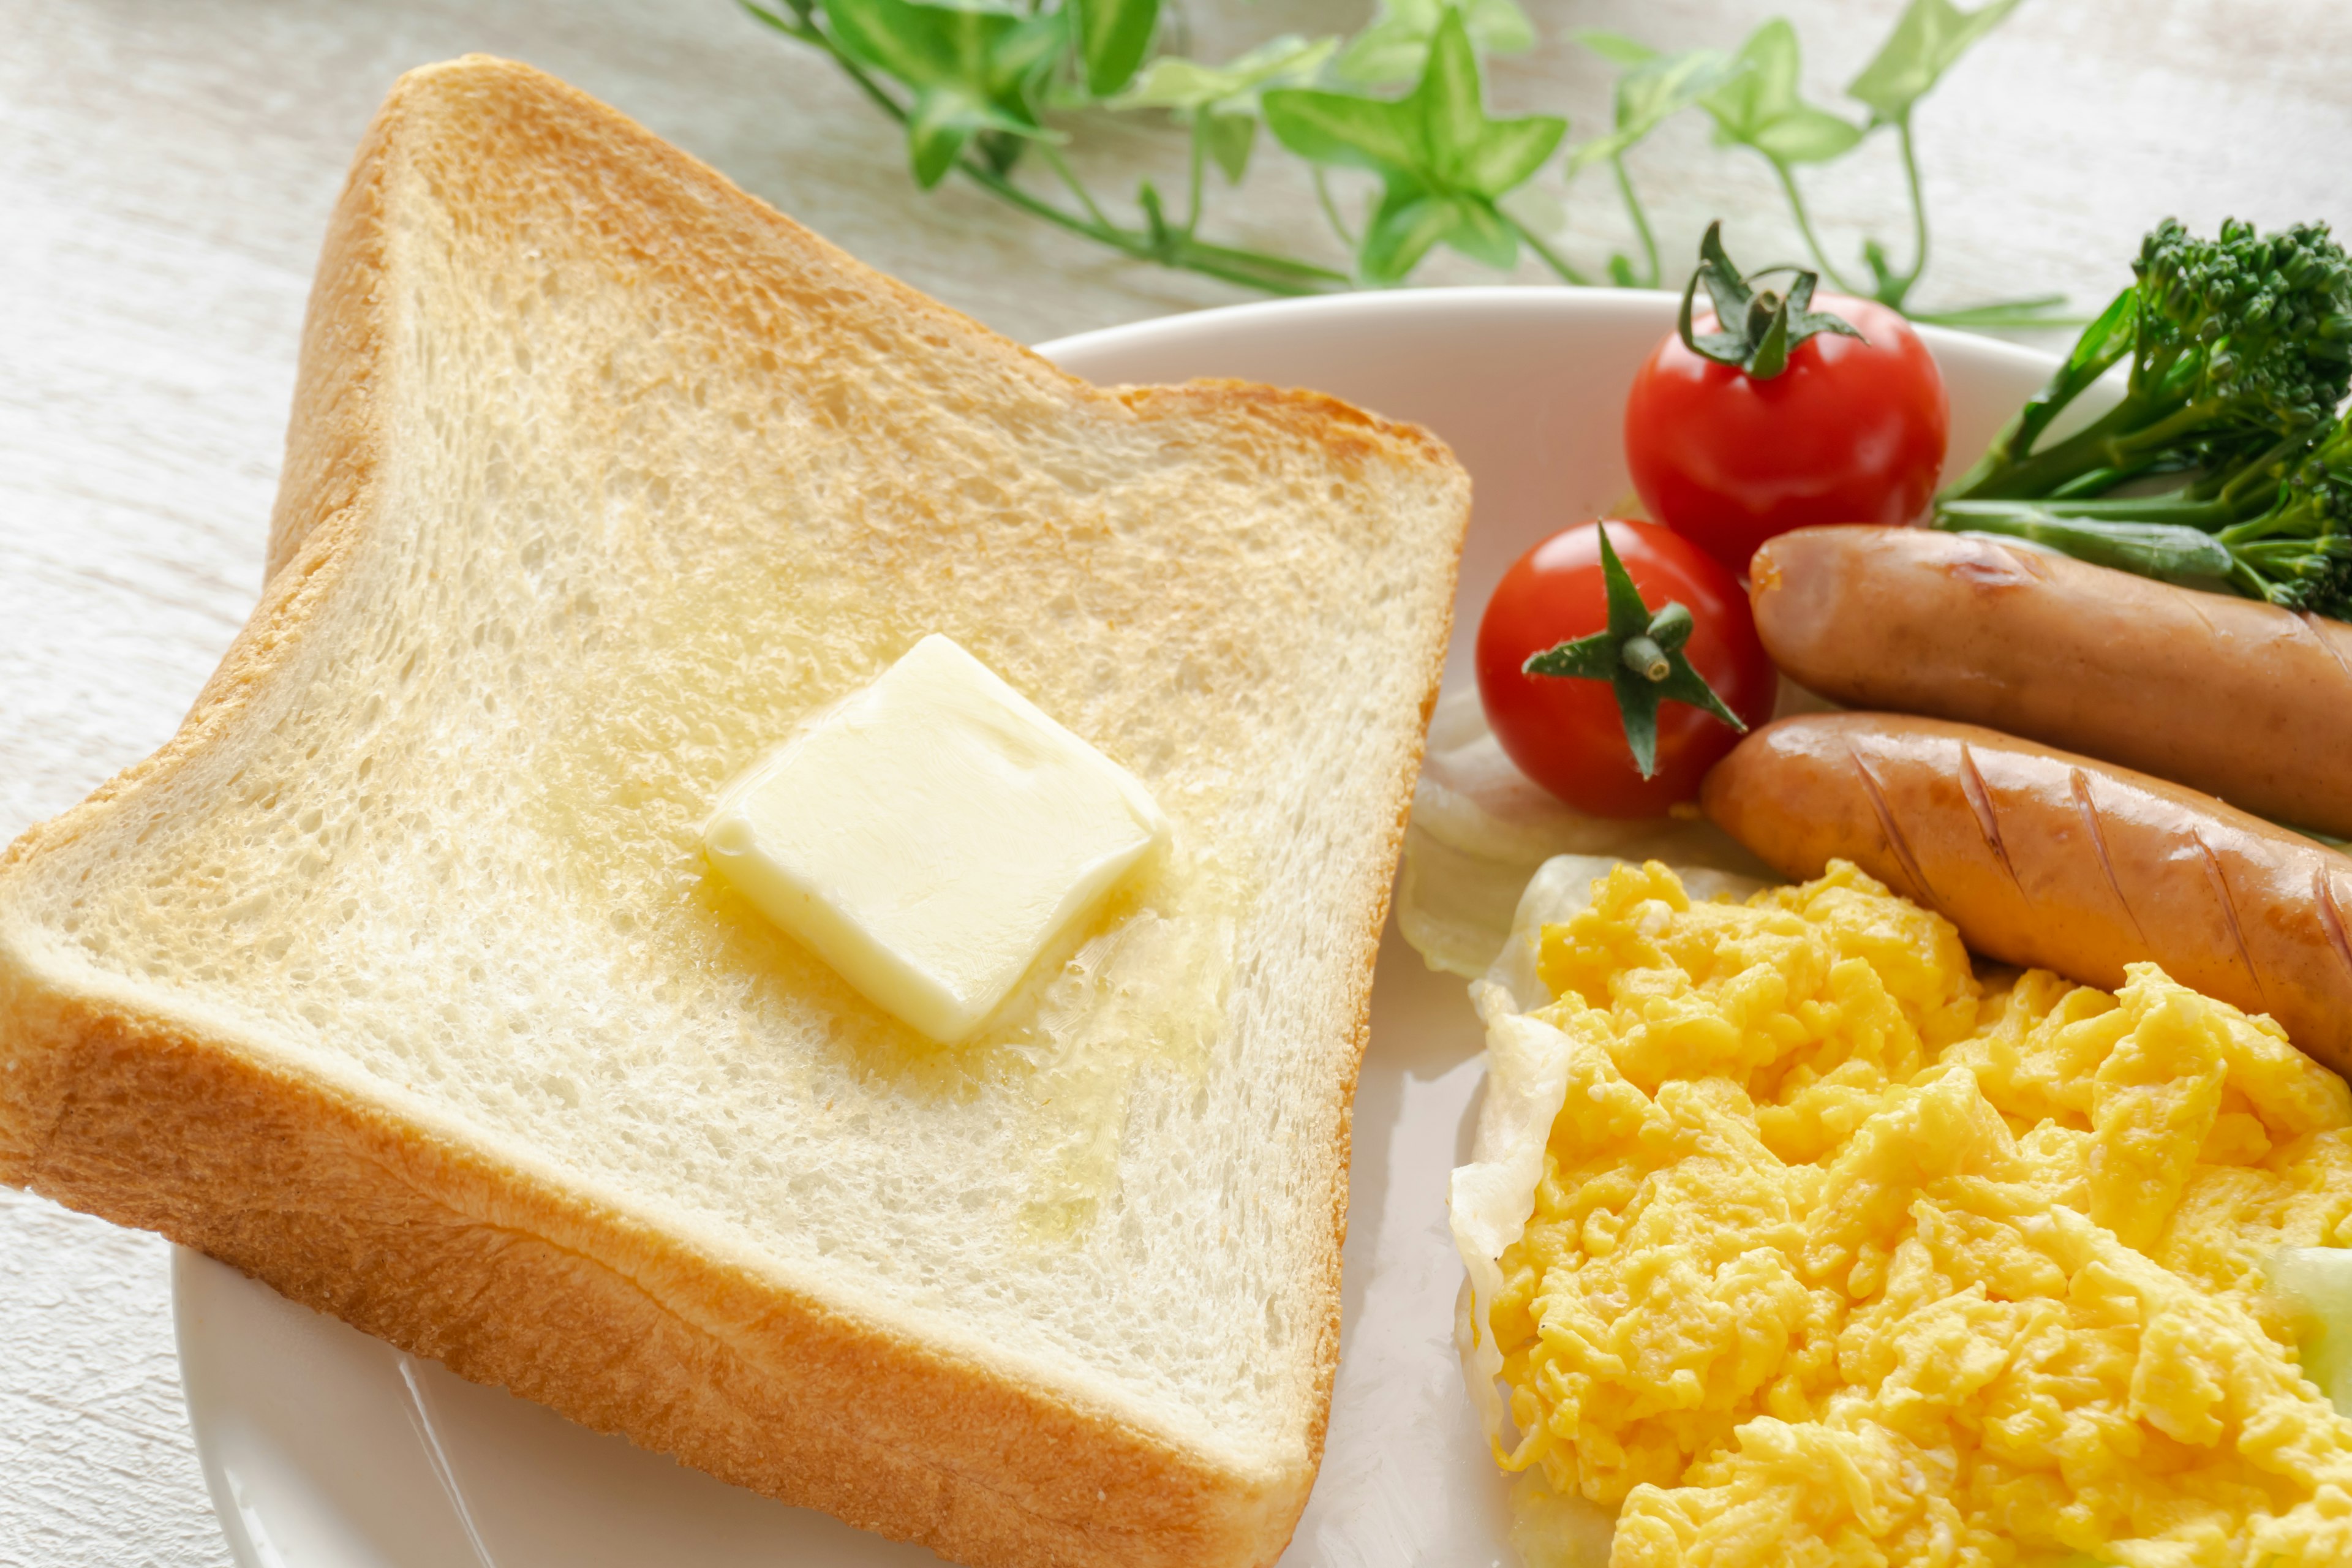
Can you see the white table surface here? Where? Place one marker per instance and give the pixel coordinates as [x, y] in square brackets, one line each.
[166, 167]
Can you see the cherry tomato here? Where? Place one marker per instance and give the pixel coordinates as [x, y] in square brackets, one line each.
[1567, 734]
[1851, 431]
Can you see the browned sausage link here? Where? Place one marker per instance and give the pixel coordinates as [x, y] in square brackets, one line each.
[2238, 699]
[2057, 861]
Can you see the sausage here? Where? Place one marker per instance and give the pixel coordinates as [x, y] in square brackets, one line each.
[2231, 696]
[2057, 861]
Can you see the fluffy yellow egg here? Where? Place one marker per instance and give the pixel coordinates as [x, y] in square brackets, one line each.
[1840, 1255]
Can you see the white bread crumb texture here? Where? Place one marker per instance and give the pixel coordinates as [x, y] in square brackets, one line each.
[643, 510]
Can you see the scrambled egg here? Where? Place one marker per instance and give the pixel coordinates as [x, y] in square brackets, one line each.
[1838, 1256]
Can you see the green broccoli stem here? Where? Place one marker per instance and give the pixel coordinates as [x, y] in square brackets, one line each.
[2270, 532]
[2284, 571]
[2124, 442]
[2249, 479]
[2239, 504]
[2169, 552]
[2142, 432]
[2293, 523]
[2103, 344]
[2151, 544]
[2174, 509]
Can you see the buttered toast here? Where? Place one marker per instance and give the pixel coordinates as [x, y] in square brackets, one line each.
[399, 978]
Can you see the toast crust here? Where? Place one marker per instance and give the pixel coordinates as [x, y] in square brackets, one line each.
[347, 1207]
[510, 1280]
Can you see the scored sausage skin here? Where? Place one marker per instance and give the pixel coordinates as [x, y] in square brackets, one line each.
[2231, 696]
[2057, 861]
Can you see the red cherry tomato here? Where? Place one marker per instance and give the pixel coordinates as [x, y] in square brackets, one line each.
[1851, 431]
[1567, 734]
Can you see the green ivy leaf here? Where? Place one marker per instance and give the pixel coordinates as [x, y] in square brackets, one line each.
[1395, 48]
[1618, 50]
[941, 121]
[1654, 87]
[1342, 127]
[970, 70]
[1113, 37]
[1441, 162]
[1222, 101]
[1807, 136]
[1227, 138]
[1928, 40]
[1188, 85]
[998, 151]
[1407, 224]
[1761, 106]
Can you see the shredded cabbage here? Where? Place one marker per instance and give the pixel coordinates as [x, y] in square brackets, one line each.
[1480, 829]
[1493, 1195]
[2316, 1281]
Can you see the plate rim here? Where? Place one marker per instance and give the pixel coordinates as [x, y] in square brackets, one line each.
[1379, 310]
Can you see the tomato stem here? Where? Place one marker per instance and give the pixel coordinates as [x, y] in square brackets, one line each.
[1756, 329]
[1640, 654]
[1644, 657]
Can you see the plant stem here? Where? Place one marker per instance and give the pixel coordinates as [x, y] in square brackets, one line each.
[1068, 176]
[1331, 209]
[1193, 200]
[1268, 274]
[1178, 249]
[809, 33]
[1640, 223]
[1998, 314]
[1550, 257]
[1247, 269]
[1805, 227]
[1902, 289]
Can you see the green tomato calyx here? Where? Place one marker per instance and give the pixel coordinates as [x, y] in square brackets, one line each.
[1757, 328]
[1641, 655]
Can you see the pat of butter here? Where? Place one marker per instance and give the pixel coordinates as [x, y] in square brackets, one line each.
[932, 836]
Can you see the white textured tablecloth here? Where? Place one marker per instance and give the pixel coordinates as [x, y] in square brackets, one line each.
[166, 169]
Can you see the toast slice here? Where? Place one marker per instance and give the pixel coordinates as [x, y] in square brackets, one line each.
[398, 980]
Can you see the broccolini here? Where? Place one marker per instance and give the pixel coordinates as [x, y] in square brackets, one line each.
[2240, 351]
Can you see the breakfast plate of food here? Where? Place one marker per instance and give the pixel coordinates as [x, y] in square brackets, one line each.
[797, 933]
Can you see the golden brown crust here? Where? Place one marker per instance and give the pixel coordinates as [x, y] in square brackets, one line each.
[341, 1204]
[333, 445]
[2046, 858]
[1381, 888]
[348, 1209]
[1343, 429]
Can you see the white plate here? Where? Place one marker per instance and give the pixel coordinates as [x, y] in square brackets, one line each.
[325, 1448]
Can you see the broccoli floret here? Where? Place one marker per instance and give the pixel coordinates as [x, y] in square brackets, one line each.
[2235, 344]
[2239, 350]
[2299, 553]
[2238, 331]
